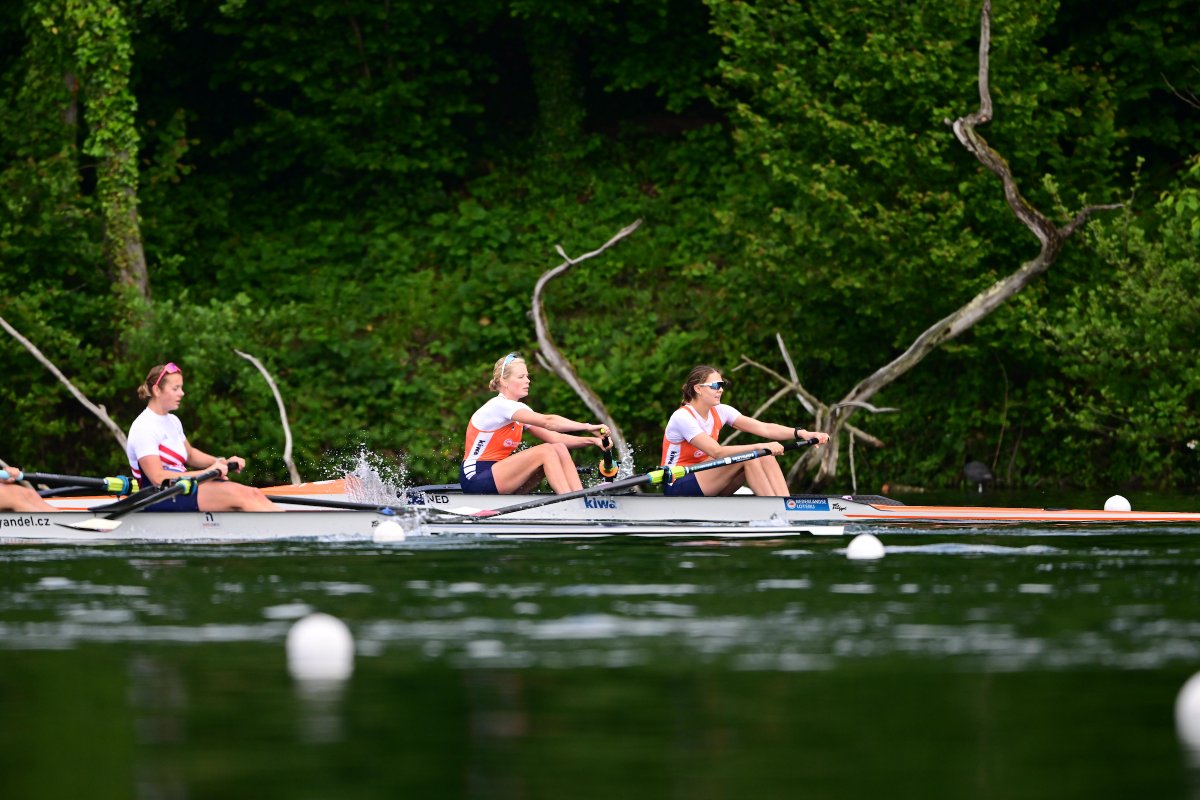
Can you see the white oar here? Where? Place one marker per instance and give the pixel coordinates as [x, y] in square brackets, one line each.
[120, 484]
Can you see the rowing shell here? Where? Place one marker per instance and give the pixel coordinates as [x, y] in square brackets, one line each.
[809, 510]
[238, 526]
[226, 526]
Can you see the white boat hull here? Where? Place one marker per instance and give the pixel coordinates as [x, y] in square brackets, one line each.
[805, 510]
[230, 526]
[233, 527]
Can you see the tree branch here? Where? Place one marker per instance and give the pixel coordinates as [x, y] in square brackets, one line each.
[550, 353]
[1051, 238]
[293, 473]
[99, 411]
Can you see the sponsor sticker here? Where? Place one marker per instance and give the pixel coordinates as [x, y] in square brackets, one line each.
[25, 522]
[806, 503]
[599, 502]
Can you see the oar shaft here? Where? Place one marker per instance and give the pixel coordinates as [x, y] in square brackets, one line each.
[181, 486]
[119, 484]
[653, 477]
[317, 503]
[151, 495]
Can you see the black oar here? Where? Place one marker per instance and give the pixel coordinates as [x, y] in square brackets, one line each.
[653, 477]
[147, 497]
[119, 484]
[287, 500]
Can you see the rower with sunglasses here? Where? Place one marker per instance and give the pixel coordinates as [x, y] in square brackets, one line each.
[491, 462]
[159, 451]
[691, 438]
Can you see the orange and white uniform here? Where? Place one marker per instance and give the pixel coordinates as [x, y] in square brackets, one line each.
[685, 424]
[492, 433]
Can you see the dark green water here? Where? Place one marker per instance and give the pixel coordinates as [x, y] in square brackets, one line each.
[1022, 664]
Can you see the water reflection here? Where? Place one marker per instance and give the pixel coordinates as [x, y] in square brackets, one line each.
[320, 659]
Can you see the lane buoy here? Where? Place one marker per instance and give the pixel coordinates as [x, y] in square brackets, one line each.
[1187, 713]
[1117, 503]
[865, 547]
[320, 647]
[389, 531]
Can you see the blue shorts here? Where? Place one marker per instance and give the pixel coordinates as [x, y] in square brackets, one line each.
[482, 483]
[687, 486]
[180, 502]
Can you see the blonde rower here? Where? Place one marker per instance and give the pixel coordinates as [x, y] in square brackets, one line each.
[491, 463]
[159, 451]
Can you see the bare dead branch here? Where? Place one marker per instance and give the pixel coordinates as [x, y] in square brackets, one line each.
[866, 406]
[1190, 98]
[1082, 217]
[293, 473]
[554, 359]
[99, 411]
[1048, 235]
[810, 402]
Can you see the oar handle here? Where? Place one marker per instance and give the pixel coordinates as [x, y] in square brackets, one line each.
[607, 468]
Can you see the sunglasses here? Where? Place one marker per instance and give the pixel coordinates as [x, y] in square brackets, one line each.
[716, 385]
[170, 369]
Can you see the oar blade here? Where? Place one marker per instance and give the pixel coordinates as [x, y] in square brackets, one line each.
[96, 524]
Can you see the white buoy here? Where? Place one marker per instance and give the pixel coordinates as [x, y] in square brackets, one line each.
[1187, 713]
[1117, 503]
[389, 531]
[320, 647]
[864, 547]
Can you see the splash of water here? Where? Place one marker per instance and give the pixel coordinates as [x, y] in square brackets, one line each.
[372, 478]
[624, 465]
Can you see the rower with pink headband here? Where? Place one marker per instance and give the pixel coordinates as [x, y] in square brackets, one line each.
[159, 452]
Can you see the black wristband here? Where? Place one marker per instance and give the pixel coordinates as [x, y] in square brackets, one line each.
[797, 433]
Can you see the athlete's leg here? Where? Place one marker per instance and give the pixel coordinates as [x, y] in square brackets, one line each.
[230, 496]
[765, 477]
[722, 480]
[22, 498]
[514, 473]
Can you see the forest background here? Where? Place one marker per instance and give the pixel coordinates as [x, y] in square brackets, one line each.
[363, 194]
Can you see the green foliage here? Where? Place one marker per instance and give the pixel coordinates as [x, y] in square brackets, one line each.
[1124, 343]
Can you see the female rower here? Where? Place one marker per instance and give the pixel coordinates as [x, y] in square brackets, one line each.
[14, 497]
[158, 451]
[691, 437]
[490, 465]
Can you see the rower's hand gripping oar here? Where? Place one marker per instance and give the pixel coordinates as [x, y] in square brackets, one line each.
[607, 468]
[120, 484]
[113, 512]
[653, 477]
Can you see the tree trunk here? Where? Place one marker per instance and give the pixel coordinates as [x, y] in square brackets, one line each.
[104, 53]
